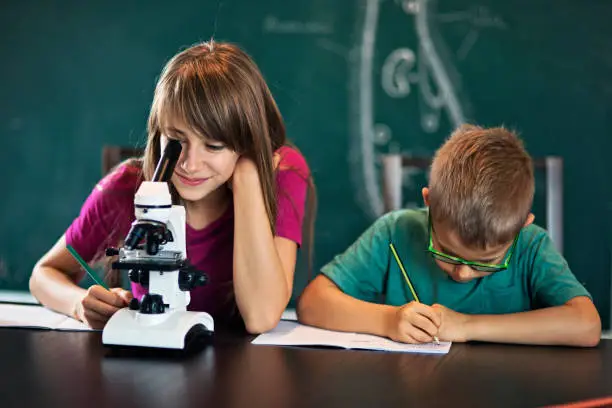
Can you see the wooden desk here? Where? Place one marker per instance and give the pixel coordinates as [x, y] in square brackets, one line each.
[73, 369]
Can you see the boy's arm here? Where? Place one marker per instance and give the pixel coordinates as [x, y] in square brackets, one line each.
[324, 305]
[575, 323]
[342, 297]
[564, 313]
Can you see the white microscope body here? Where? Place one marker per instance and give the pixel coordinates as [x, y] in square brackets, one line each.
[155, 255]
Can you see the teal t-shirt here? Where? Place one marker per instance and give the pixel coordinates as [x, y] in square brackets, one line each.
[538, 275]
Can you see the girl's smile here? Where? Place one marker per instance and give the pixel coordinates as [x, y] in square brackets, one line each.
[190, 181]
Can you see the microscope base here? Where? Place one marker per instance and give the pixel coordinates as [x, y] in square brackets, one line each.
[166, 330]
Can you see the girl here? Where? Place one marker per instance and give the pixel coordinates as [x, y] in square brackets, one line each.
[243, 189]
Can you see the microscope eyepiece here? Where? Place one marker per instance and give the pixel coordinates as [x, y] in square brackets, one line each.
[165, 166]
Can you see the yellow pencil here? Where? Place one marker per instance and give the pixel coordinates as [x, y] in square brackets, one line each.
[401, 266]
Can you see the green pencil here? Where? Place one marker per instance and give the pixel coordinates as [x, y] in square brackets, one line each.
[80, 260]
[401, 266]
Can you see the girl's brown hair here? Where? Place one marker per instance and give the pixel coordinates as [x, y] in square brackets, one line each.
[217, 90]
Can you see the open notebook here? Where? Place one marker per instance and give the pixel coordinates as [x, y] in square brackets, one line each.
[37, 317]
[289, 333]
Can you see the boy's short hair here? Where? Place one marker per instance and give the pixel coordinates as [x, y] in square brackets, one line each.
[482, 185]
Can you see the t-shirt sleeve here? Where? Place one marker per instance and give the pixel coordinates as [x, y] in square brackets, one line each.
[292, 188]
[106, 215]
[552, 281]
[361, 270]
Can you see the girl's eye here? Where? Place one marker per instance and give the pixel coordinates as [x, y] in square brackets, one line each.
[214, 148]
[173, 137]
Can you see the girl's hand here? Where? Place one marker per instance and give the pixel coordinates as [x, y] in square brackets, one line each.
[246, 168]
[99, 304]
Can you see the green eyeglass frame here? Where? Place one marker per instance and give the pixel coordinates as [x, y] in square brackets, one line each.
[477, 266]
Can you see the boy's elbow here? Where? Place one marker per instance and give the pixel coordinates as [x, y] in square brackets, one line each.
[307, 302]
[589, 334]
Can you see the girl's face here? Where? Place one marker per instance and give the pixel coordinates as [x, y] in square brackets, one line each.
[204, 164]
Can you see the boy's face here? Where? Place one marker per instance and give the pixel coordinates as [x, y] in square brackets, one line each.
[446, 240]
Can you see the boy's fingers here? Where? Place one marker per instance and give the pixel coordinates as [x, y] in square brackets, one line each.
[425, 324]
[419, 336]
[428, 312]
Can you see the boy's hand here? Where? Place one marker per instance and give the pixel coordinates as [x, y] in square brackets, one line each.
[414, 323]
[99, 304]
[452, 327]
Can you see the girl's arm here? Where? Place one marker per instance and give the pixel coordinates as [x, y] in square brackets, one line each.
[54, 279]
[54, 283]
[263, 264]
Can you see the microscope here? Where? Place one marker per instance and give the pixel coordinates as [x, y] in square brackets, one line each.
[155, 256]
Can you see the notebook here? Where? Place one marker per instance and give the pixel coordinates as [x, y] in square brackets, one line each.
[29, 316]
[290, 333]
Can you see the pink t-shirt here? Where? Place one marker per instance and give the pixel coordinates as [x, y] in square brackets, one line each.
[108, 213]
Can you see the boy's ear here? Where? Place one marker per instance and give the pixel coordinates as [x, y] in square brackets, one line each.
[529, 219]
[425, 192]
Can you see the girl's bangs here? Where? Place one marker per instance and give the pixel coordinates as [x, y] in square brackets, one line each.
[185, 101]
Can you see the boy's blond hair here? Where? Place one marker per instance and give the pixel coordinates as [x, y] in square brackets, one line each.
[482, 185]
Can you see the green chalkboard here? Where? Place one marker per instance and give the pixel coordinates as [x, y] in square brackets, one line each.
[353, 79]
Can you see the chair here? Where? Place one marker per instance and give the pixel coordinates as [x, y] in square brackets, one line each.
[393, 165]
[113, 155]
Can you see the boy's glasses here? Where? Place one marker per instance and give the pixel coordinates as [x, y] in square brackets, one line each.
[477, 266]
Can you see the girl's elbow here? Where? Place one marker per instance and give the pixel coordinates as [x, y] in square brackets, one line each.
[33, 282]
[261, 324]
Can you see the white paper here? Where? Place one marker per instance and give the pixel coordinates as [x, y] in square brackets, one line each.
[289, 333]
[289, 314]
[38, 317]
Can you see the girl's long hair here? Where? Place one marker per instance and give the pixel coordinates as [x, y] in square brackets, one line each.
[217, 90]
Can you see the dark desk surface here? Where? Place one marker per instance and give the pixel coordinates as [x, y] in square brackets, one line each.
[73, 369]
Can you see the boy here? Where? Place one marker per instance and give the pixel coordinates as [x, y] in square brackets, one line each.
[474, 255]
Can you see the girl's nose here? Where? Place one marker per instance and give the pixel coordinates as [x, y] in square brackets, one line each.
[189, 159]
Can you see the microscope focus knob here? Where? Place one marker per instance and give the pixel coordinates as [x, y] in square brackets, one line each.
[134, 304]
[112, 251]
[152, 304]
[191, 278]
[139, 276]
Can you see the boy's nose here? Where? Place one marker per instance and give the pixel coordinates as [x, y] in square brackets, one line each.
[463, 272]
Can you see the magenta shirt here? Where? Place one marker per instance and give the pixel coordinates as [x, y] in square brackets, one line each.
[108, 213]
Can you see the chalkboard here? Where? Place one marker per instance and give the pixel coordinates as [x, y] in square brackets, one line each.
[353, 79]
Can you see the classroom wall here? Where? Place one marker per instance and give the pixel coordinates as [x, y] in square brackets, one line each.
[353, 79]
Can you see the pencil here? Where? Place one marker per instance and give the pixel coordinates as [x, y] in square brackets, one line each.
[401, 266]
[80, 260]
